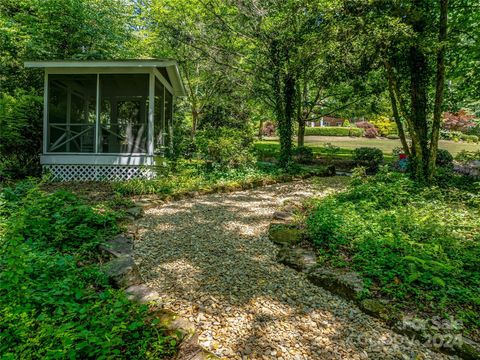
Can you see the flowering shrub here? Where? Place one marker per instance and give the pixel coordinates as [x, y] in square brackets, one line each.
[385, 126]
[268, 128]
[459, 121]
[370, 131]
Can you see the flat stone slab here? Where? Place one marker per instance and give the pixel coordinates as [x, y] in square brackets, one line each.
[136, 212]
[377, 309]
[297, 258]
[282, 215]
[123, 272]
[191, 350]
[120, 245]
[345, 284]
[284, 235]
[141, 293]
[172, 321]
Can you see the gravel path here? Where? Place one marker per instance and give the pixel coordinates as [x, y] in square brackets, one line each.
[213, 263]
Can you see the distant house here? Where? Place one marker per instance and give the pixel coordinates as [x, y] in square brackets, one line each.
[326, 121]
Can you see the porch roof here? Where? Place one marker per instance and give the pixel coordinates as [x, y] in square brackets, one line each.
[170, 66]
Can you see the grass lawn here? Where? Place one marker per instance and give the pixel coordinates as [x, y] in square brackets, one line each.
[386, 145]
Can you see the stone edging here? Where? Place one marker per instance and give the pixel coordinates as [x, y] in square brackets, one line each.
[123, 273]
[148, 201]
[349, 286]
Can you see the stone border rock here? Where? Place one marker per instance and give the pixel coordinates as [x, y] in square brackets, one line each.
[348, 285]
[471, 168]
[123, 274]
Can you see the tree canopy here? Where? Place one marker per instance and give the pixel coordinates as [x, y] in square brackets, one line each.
[248, 61]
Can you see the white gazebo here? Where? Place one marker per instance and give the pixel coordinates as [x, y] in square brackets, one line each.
[106, 120]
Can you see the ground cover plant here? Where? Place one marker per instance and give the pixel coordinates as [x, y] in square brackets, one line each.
[417, 246]
[55, 302]
[189, 176]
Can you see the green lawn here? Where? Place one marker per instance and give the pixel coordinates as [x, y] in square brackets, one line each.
[386, 145]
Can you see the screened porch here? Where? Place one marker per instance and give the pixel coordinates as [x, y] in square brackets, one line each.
[108, 113]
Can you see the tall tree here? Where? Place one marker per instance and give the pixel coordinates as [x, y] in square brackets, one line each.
[411, 37]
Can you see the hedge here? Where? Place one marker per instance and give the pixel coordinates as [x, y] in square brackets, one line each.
[333, 131]
[458, 136]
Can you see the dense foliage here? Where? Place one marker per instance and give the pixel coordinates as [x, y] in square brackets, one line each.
[225, 148]
[54, 301]
[417, 245]
[468, 156]
[20, 134]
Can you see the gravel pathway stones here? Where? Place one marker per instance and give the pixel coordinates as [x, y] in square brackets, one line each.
[211, 261]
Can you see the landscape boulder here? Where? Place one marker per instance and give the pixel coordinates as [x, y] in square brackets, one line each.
[346, 284]
[141, 293]
[120, 245]
[297, 258]
[123, 272]
[136, 212]
[284, 235]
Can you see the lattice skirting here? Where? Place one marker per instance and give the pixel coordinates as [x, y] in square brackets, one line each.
[97, 172]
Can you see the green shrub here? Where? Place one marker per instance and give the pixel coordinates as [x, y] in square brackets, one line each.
[303, 154]
[458, 136]
[444, 159]
[333, 131]
[225, 147]
[465, 156]
[471, 138]
[419, 246]
[371, 158]
[20, 135]
[55, 302]
[393, 137]
[330, 149]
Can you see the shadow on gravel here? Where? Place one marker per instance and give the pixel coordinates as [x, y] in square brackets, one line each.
[212, 255]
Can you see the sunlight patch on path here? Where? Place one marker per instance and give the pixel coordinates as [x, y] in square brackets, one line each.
[211, 261]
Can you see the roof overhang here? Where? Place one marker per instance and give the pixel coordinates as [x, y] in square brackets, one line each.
[171, 67]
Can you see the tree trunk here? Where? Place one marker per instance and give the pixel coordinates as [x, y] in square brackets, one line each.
[282, 86]
[194, 122]
[301, 132]
[439, 87]
[301, 118]
[418, 96]
[289, 103]
[396, 114]
[260, 129]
